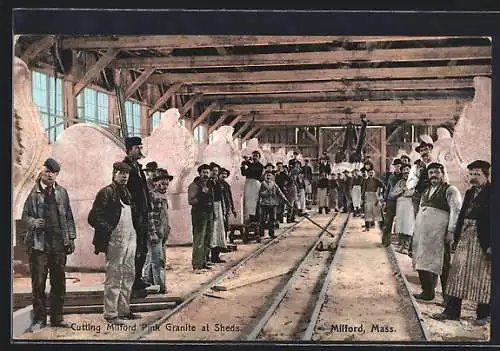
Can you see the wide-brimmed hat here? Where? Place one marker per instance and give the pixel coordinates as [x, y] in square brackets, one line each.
[422, 145]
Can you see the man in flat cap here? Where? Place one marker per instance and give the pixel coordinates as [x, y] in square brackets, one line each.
[50, 237]
[470, 272]
[218, 235]
[201, 199]
[227, 197]
[434, 226]
[149, 172]
[138, 187]
[111, 218]
[389, 202]
[251, 169]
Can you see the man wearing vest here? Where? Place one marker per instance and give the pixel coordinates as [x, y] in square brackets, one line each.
[51, 236]
[434, 226]
[470, 273]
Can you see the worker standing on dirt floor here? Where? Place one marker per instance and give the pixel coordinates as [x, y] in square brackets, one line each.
[154, 269]
[389, 203]
[308, 179]
[201, 199]
[405, 215]
[218, 236]
[347, 184]
[282, 179]
[291, 193]
[436, 219]
[111, 217]
[372, 195]
[50, 237]
[269, 198]
[301, 194]
[333, 197]
[323, 193]
[251, 169]
[227, 198]
[470, 272]
[357, 182]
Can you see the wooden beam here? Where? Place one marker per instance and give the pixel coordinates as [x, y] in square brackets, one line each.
[259, 133]
[136, 84]
[35, 48]
[250, 133]
[394, 133]
[305, 117]
[307, 58]
[324, 74]
[161, 101]
[326, 123]
[310, 136]
[94, 71]
[219, 122]
[242, 129]
[383, 150]
[235, 120]
[193, 41]
[204, 115]
[190, 104]
[320, 86]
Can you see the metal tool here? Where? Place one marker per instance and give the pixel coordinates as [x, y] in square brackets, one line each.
[313, 222]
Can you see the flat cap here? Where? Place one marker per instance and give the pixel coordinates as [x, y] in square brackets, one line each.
[269, 165]
[224, 170]
[121, 166]
[202, 167]
[150, 166]
[479, 164]
[435, 165]
[161, 174]
[214, 165]
[397, 161]
[52, 165]
[256, 153]
[132, 141]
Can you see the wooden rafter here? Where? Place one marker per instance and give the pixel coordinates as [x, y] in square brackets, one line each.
[337, 122]
[136, 84]
[259, 133]
[219, 122]
[325, 74]
[93, 72]
[204, 115]
[35, 48]
[307, 117]
[325, 86]
[306, 58]
[166, 95]
[249, 134]
[310, 136]
[236, 120]
[242, 129]
[190, 104]
[193, 41]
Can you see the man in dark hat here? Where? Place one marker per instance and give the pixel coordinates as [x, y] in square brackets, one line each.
[149, 172]
[269, 167]
[470, 272]
[138, 187]
[434, 226]
[154, 269]
[308, 177]
[201, 199]
[111, 218]
[218, 235]
[405, 160]
[227, 198]
[390, 202]
[282, 180]
[50, 237]
[251, 169]
[294, 159]
[417, 179]
[346, 191]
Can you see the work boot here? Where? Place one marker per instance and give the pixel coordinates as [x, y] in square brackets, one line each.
[445, 316]
[320, 211]
[327, 210]
[481, 321]
[37, 325]
[215, 256]
[367, 226]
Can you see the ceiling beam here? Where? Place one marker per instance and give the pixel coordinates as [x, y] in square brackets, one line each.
[35, 48]
[219, 122]
[305, 117]
[136, 84]
[167, 95]
[94, 71]
[259, 133]
[311, 136]
[325, 123]
[249, 134]
[324, 86]
[204, 115]
[307, 58]
[193, 41]
[324, 74]
[235, 120]
[190, 104]
[242, 129]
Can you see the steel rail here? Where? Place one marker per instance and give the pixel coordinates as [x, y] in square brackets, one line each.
[326, 281]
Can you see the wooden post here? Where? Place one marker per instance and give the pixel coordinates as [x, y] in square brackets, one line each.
[320, 142]
[69, 102]
[383, 150]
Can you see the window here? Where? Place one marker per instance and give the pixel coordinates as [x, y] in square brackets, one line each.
[155, 120]
[48, 97]
[92, 106]
[198, 134]
[133, 116]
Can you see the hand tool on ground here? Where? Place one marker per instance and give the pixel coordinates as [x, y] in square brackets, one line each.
[313, 222]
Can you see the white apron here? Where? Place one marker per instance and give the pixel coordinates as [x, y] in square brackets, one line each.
[251, 197]
[219, 232]
[372, 208]
[322, 197]
[405, 216]
[301, 199]
[356, 195]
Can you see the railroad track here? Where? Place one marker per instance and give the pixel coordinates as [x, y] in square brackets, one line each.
[326, 260]
[207, 291]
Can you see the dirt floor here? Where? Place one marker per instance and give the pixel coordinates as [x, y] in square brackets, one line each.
[180, 280]
[232, 315]
[291, 318]
[363, 301]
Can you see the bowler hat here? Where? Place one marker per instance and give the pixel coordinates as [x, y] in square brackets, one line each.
[52, 165]
[132, 141]
[202, 167]
[396, 162]
[214, 165]
[269, 165]
[223, 170]
[422, 145]
[151, 166]
[161, 174]
[479, 164]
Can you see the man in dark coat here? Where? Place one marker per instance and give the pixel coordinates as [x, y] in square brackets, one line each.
[389, 203]
[227, 197]
[470, 273]
[282, 179]
[51, 236]
[141, 207]
[308, 177]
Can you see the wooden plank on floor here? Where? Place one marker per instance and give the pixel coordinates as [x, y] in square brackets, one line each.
[251, 279]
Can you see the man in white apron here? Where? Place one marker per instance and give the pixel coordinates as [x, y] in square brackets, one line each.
[357, 182]
[251, 169]
[218, 239]
[115, 235]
